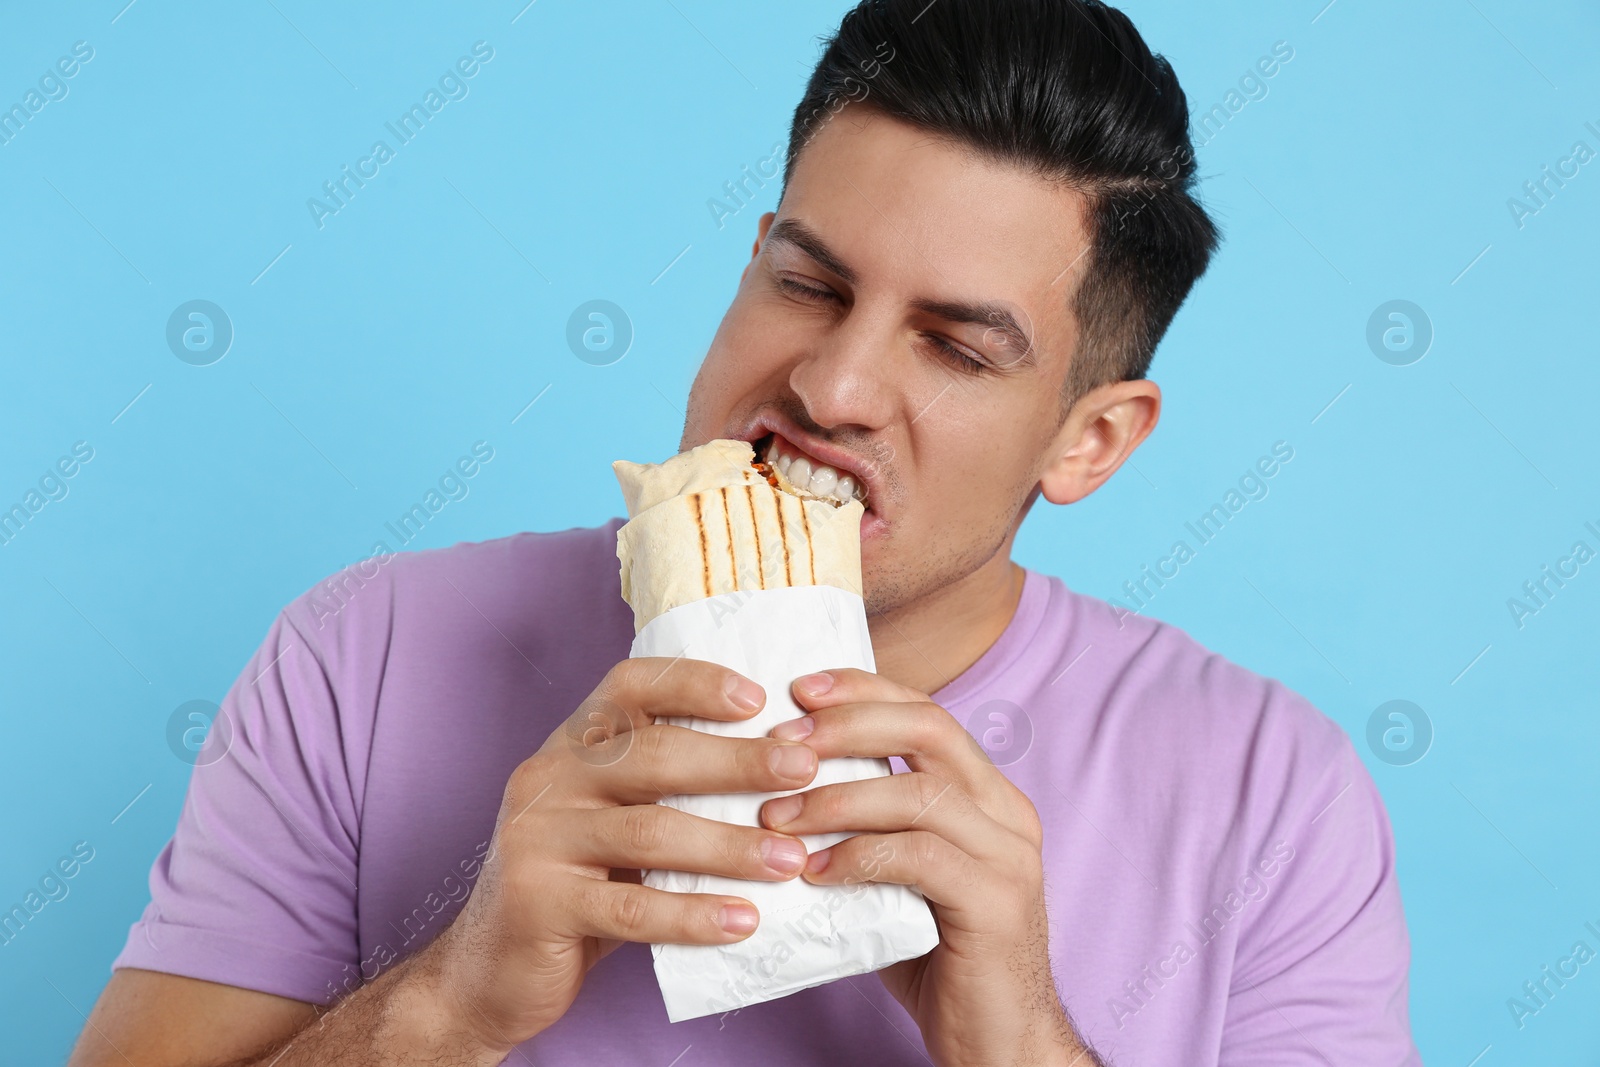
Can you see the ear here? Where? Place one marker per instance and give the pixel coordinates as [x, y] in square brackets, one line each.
[1100, 432]
[762, 226]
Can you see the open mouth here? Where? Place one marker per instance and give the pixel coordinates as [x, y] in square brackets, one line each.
[804, 475]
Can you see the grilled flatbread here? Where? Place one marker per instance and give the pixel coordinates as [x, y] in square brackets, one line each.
[711, 520]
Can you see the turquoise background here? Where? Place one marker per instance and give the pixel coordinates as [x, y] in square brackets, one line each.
[427, 314]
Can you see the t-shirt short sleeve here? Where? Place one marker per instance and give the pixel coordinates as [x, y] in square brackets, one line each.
[257, 887]
[1321, 972]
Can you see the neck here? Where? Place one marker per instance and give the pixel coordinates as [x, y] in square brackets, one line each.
[925, 644]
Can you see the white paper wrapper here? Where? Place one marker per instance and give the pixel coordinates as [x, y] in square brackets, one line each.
[809, 934]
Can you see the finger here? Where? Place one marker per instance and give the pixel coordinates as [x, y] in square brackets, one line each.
[653, 836]
[844, 685]
[942, 872]
[625, 912]
[922, 733]
[926, 736]
[635, 692]
[893, 802]
[645, 765]
[653, 686]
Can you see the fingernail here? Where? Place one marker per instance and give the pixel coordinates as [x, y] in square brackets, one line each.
[795, 729]
[818, 861]
[783, 854]
[743, 693]
[815, 684]
[738, 918]
[792, 761]
[782, 810]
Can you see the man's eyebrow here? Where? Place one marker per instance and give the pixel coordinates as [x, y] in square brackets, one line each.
[988, 313]
[984, 313]
[794, 232]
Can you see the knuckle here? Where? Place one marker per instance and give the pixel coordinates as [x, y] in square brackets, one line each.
[827, 804]
[609, 909]
[629, 911]
[925, 850]
[522, 879]
[864, 862]
[930, 722]
[969, 875]
[625, 676]
[530, 776]
[1027, 870]
[660, 745]
[869, 862]
[962, 803]
[1031, 825]
[642, 830]
[925, 790]
[526, 772]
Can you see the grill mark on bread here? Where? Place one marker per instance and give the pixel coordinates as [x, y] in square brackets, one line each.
[783, 534]
[705, 558]
[727, 521]
[811, 546]
[755, 528]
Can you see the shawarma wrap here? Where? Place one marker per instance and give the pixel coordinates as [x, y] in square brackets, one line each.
[725, 560]
[712, 520]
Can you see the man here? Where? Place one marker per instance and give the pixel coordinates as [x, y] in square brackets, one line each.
[419, 849]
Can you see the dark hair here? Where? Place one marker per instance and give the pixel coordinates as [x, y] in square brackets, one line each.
[1069, 90]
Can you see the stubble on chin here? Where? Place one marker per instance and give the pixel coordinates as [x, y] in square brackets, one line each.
[903, 576]
[904, 579]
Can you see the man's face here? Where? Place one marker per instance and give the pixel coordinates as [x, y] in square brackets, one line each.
[849, 343]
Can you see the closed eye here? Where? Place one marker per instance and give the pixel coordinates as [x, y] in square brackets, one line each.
[806, 292]
[956, 355]
[946, 350]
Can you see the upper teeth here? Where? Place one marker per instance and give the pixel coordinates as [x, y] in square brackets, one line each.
[814, 476]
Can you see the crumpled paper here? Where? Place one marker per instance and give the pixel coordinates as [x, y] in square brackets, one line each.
[809, 935]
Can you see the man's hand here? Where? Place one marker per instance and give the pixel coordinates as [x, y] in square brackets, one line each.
[962, 833]
[559, 889]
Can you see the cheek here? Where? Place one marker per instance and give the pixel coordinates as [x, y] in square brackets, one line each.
[974, 471]
[740, 363]
[762, 335]
[744, 351]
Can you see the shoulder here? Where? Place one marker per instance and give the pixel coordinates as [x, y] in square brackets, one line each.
[411, 617]
[1251, 810]
[1245, 739]
[580, 561]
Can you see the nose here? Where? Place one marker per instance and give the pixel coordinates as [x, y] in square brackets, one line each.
[847, 376]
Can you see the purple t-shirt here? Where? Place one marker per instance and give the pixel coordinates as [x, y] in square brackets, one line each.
[1219, 866]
